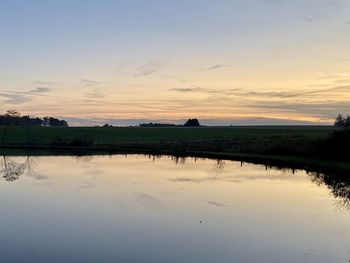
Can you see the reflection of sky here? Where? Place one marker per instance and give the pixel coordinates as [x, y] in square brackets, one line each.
[132, 209]
[221, 61]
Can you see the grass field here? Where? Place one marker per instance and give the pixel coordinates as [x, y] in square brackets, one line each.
[297, 146]
[48, 135]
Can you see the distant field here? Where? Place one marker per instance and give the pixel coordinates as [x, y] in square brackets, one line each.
[117, 135]
[297, 146]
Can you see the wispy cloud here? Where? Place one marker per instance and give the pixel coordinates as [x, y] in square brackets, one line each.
[187, 89]
[17, 97]
[96, 93]
[323, 10]
[326, 109]
[217, 204]
[214, 106]
[289, 94]
[14, 98]
[266, 94]
[150, 68]
[89, 82]
[342, 81]
[39, 90]
[309, 19]
[215, 67]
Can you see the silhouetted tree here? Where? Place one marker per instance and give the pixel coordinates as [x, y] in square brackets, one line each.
[192, 123]
[14, 118]
[12, 113]
[339, 121]
[11, 117]
[50, 121]
[347, 121]
[57, 123]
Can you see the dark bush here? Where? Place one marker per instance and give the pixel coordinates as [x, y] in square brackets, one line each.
[192, 123]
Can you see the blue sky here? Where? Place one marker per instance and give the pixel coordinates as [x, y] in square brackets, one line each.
[222, 61]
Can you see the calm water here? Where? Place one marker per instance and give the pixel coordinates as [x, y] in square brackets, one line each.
[140, 209]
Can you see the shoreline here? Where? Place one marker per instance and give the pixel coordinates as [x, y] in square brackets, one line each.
[308, 164]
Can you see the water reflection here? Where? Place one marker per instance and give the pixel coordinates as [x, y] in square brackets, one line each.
[338, 186]
[164, 209]
[12, 168]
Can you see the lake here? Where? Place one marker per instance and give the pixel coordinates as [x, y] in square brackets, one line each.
[139, 208]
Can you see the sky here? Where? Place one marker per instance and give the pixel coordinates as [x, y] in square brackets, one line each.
[239, 62]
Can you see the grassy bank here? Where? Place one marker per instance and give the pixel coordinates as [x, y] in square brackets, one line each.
[50, 135]
[302, 146]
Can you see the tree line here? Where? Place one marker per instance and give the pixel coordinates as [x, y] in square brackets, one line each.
[342, 121]
[14, 118]
[188, 123]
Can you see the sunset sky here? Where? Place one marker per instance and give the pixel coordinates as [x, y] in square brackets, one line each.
[131, 61]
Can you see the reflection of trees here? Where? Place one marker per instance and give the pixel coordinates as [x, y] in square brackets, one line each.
[179, 160]
[218, 168]
[220, 164]
[338, 185]
[84, 158]
[12, 170]
[154, 157]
